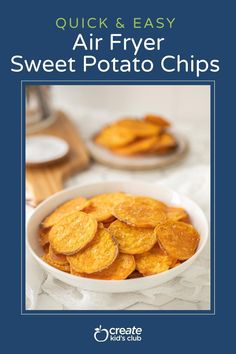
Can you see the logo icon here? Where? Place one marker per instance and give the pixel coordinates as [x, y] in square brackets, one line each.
[101, 334]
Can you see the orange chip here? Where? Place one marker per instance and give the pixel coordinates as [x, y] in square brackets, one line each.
[120, 269]
[101, 253]
[137, 147]
[114, 136]
[139, 128]
[140, 212]
[158, 120]
[101, 206]
[176, 264]
[72, 233]
[57, 258]
[132, 240]
[153, 262]
[178, 239]
[177, 214]
[64, 209]
[44, 236]
[64, 268]
[164, 144]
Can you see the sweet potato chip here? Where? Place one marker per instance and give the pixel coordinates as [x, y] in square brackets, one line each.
[120, 269]
[177, 214]
[140, 212]
[114, 136]
[158, 120]
[137, 147]
[165, 143]
[51, 262]
[99, 255]
[44, 236]
[132, 240]
[178, 239]
[176, 264]
[64, 209]
[139, 128]
[72, 233]
[57, 258]
[101, 206]
[153, 262]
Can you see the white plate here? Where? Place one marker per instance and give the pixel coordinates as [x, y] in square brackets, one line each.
[42, 149]
[141, 188]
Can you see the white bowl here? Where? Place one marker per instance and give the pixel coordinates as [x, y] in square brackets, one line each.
[139, 188]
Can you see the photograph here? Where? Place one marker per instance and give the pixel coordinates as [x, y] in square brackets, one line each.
[117, 196]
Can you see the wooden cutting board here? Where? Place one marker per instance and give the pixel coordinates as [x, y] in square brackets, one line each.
[45, 180]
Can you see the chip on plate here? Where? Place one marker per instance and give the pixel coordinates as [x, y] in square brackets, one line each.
[137, 147]
[165, 143]
[132, 240]
[153, 262]
[120, 269]
[140, 212]
[178, 239]
[99, 255]
[64, 209]
[139, 128]
[72, 233]
[158, 120]
[101, 206]
[114, 136]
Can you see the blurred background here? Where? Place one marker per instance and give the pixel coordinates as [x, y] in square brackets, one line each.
[187, 106]
[90, 107]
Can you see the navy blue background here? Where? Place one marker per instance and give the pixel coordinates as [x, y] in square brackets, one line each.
[202, 28]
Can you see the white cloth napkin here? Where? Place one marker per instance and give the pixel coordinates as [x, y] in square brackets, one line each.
[191, 286]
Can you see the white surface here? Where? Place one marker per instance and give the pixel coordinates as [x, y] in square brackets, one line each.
[45, 148]
[188, 107]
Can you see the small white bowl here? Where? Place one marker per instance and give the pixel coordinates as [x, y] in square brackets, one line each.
[138, 188]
